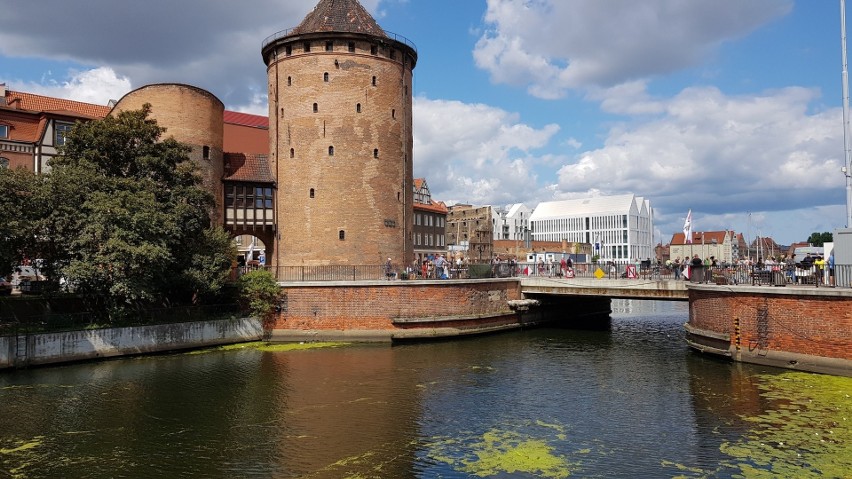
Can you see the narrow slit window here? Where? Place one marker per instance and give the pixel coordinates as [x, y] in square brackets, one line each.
[393, 113]
[374, 81]
[312, 193]
[325, 77]
[292, 153]
[358, 108]
[205, 152]
[316, 108]
[375, 153]
[289, 81]
[330, 151]
[307, 47]
[351, 47]
[341, 235]
[374, 49]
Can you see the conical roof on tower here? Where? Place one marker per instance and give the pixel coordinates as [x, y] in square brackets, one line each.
[339, 16]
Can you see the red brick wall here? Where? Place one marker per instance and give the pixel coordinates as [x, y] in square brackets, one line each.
[375, 305]
[805, 323]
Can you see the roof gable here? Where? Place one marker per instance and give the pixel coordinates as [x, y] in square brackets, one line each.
[28, 101]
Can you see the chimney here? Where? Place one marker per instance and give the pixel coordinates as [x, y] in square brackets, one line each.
[2, 94]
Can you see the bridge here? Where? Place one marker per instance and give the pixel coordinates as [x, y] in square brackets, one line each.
[655, 289]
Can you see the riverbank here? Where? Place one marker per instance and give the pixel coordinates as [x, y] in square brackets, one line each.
[36, 349]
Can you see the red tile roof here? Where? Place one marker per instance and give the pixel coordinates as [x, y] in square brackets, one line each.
[38, 103]
[242, 167]
[246, 119]
[339, 16]
[434, 207]
[699, 237]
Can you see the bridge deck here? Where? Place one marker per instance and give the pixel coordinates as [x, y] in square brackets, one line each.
[662, 289]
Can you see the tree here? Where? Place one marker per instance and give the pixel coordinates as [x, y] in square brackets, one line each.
[132, 215]
[19, 215]
[259, 293]
[818, 239]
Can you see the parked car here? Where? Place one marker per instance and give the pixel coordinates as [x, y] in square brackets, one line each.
[5, 286]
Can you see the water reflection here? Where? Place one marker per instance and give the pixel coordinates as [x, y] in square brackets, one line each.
[632, 401]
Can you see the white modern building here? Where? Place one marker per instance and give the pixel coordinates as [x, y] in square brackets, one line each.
[512, 222]
[619, 228]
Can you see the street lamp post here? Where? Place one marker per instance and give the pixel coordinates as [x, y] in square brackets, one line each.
[847, 168]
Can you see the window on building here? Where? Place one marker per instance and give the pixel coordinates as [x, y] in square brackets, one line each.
[325, 77]
[341, 235]
[329, 46]
[375, 153]
[4, 163]
[316, 107]
[393, 54]
[288, 50]
[374, 49]
[374, 81]
[205, 152]
[60, 131]
[307, 47]
[393, 113]
[289, 83]
[292, 153]
[330, 151]
[358, 108]
[312, 192]
[351, 47]
[4, 131]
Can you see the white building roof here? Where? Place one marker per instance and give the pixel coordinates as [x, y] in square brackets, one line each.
[600, 205]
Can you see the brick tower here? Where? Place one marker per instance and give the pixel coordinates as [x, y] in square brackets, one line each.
[341, 141]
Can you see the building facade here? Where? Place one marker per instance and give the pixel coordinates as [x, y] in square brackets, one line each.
[430, 223]
[717, 244]
[470, 232]
[513, 223]
[32, 127]
[340, 110]
[620, 228]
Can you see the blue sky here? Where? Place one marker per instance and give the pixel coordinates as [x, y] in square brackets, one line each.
[731, 108]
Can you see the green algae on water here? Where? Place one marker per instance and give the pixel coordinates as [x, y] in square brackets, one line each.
[505, 452]
[806, 432]
[271, 347]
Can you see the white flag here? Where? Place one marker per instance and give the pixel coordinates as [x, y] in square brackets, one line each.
[687, 228]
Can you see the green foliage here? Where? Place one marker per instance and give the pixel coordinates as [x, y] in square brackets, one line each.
[19, 212]
[122, 216]
[477, 271]
[259, 292]
[818, 239]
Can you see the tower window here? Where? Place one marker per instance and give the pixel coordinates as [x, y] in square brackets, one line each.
[289, 81]
[330, 151]
[325, 77]
[393, 113]
[329, 46]
[292, 153]
[374, 49]
[375, 153]
[351, 47]
[316, 108]
[288, 50]
[312, 192]
[374, 81]
[205, 152]
[393, 54]
[341, 235]
[282, 113]
[358, 108]
[307, 47]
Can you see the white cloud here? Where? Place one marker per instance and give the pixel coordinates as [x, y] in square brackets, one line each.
[476, 153]
[98, 86]
[552, 46]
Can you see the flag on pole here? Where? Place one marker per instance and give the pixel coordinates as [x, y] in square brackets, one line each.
[687, 228]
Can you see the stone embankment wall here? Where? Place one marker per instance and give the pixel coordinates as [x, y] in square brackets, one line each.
[68, 346]
[388, 310]
[797, 328]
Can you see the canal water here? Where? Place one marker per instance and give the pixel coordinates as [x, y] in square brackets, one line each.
[631, 401]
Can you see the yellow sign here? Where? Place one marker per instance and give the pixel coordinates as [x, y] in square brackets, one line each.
[599, 273]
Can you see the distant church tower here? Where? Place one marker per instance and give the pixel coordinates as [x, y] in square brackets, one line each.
[341, 144]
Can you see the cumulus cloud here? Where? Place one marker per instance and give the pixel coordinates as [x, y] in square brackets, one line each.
[97, 86]
[552, 46]
[476, 153]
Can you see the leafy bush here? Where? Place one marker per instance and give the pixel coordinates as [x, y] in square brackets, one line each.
[259, 292]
